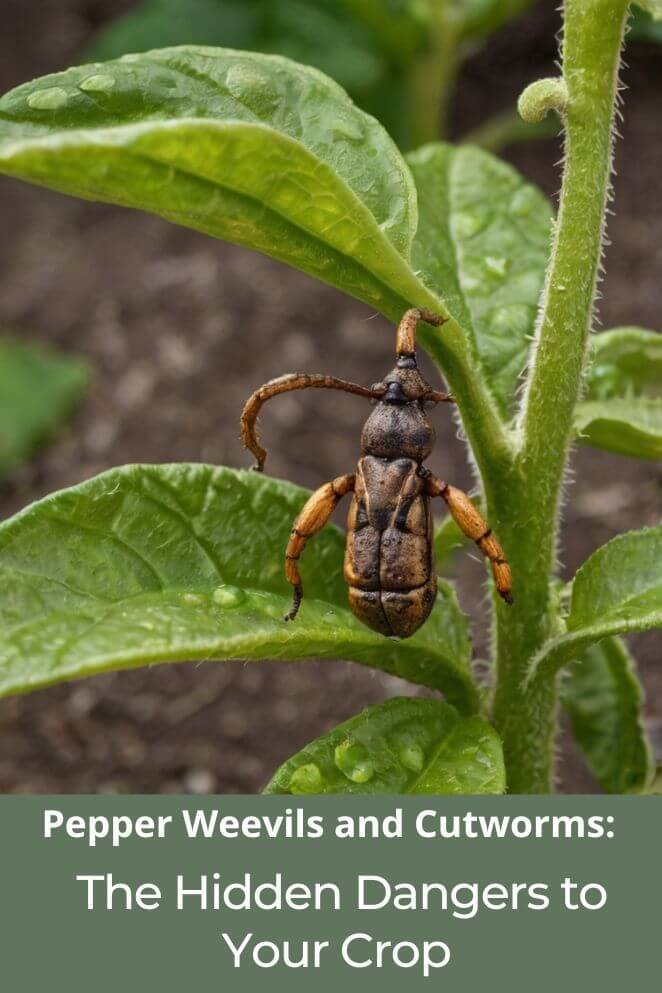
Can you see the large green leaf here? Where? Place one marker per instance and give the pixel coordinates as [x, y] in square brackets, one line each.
[483, 242]
[165, 563]
[404, 745]
[38, 389]
[603, 698]
[251, 148]
[617, 590]
[627, 427]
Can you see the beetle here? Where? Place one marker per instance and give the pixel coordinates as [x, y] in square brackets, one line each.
[389, 555]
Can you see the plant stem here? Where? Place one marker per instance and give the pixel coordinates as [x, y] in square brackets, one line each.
[433, 75]
[525, 503]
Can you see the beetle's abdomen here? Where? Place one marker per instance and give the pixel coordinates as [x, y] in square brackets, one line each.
[389, 562]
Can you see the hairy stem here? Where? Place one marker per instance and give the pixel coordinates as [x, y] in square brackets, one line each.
[526, 502]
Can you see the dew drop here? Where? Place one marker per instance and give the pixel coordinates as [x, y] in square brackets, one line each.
[99, 83]
[412, 757]
[49, 99]
[228, 596]
[467, 223]
[306, 779]
[354, 762]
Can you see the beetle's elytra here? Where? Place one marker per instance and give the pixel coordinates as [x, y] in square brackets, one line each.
[389, 556]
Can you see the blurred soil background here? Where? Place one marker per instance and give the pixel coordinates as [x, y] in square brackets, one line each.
[179, 330]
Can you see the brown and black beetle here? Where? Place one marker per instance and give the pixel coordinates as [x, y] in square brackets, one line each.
[389, 556]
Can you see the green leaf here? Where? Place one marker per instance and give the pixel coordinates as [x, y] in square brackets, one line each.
[627, 427]
[251, 148]
[623, 410]
[483, 241]
[617, 590]
[38, 390]
[404, 745]
[603, 698]
[625, 362]
[151, 564]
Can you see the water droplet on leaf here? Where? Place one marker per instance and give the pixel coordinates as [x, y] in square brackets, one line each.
[306, 779]
[354, 762]
[228, 596]
[467, 223]
[99, 83]
[412, 757]
[49, 99]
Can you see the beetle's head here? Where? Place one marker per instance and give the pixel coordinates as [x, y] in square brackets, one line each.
[404, 384]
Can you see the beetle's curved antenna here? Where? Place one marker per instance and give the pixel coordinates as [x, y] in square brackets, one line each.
[405, 344]
[284, 384]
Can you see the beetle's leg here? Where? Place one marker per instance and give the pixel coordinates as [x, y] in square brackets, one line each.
[312, 519]
[474, 526]
[434, 396]
[291, 381]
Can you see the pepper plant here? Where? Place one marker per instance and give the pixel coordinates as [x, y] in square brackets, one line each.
[163, 563]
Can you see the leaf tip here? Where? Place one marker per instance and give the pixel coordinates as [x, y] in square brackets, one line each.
[540, 97]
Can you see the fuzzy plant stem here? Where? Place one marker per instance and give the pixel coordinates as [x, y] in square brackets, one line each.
[525, 502]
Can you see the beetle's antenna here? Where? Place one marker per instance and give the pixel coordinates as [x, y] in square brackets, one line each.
[405, 346]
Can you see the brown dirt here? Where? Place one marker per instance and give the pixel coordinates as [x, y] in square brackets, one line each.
[179, 330]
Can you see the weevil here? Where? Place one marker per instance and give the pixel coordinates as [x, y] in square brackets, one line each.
[389, 556]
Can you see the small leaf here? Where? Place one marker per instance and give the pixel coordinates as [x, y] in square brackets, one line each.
[627, 427]
[404, 745]
[483, 241]
[626, 362]
[149, 564]
[254, 149]
[617, 590]
[603, 697]
[38, 390]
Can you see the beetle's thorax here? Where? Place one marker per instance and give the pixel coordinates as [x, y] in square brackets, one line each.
[398, 426]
